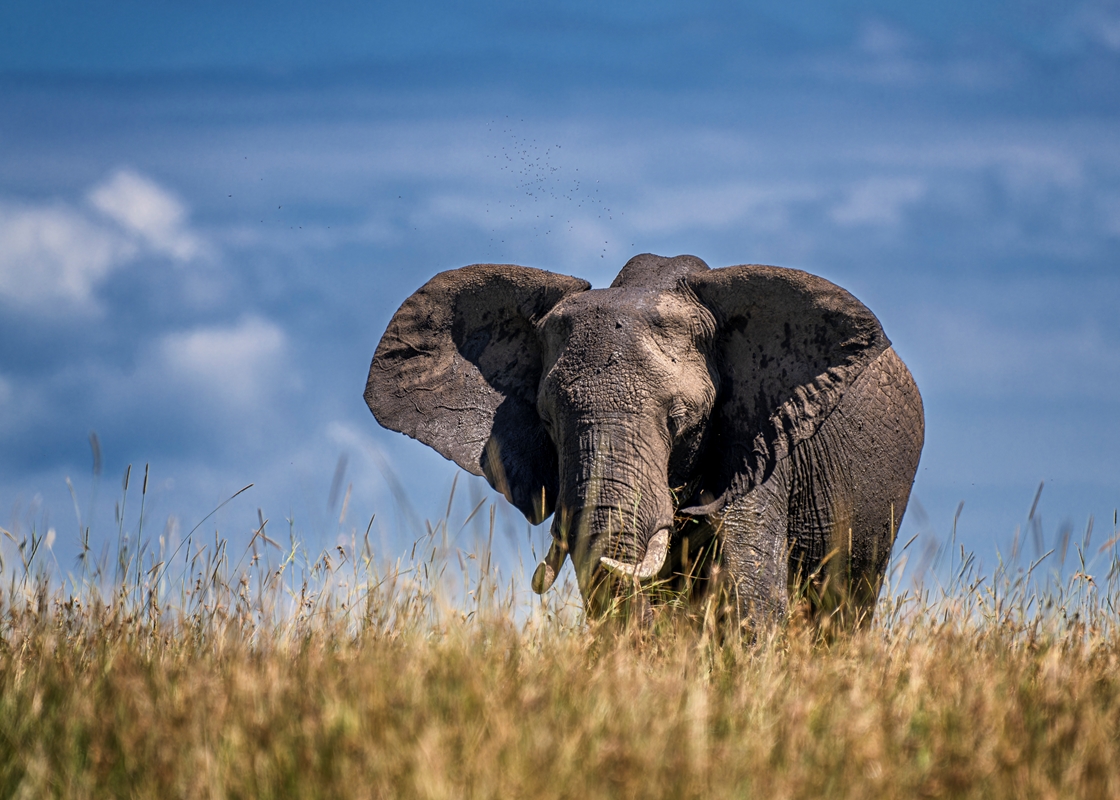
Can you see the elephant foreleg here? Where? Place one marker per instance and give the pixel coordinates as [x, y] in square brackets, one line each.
[755, 547]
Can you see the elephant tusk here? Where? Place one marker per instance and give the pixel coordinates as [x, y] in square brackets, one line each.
[545, 573]
[651, 564]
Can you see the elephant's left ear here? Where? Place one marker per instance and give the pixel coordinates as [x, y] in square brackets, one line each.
[458, 369]
[788, 344]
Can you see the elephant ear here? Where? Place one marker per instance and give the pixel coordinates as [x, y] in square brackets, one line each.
[788, 344]
[458, 369]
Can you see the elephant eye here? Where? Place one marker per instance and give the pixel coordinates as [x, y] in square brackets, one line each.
[678, 416]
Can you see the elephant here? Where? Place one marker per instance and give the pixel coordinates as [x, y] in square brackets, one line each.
[754, 419]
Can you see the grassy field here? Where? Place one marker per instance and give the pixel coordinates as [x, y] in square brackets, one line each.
[271, 673]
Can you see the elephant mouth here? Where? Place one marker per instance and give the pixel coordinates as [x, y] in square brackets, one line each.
[657, 550]
[648, 567]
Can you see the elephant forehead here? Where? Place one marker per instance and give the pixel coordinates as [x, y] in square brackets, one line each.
[616, 314]
[625, 357]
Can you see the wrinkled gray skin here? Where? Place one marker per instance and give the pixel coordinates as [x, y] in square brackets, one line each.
[755, 411]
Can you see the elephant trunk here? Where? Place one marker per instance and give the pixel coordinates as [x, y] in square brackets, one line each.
[614, 512]
[618, 518]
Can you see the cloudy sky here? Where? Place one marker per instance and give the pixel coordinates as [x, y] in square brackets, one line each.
[209, 211]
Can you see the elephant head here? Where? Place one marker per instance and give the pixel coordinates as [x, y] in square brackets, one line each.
[672, 391]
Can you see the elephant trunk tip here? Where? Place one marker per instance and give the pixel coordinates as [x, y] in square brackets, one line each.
[651, 563]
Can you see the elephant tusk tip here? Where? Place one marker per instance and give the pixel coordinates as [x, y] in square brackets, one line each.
[543, 578]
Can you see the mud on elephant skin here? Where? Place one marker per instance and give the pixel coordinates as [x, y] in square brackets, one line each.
[758, 407]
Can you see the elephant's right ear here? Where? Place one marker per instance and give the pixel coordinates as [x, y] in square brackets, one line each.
[458, 369]
[788, 345]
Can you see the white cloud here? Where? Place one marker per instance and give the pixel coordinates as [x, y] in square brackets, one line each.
[1110, 207]
[879, 38]
[765, 207]
[884, 54]
[59, 254]
[54, 253]
[235, 365]
[878, 201]
[1108, 32]
[147, 210]
[1038, 171]
[1096, 23]
[347, 436]
[1019, 340]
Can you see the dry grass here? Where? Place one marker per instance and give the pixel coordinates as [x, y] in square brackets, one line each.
[209, 674]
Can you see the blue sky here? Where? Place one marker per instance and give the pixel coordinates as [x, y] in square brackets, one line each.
[209, 211]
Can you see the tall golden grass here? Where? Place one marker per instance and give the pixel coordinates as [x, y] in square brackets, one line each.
[271, 672]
